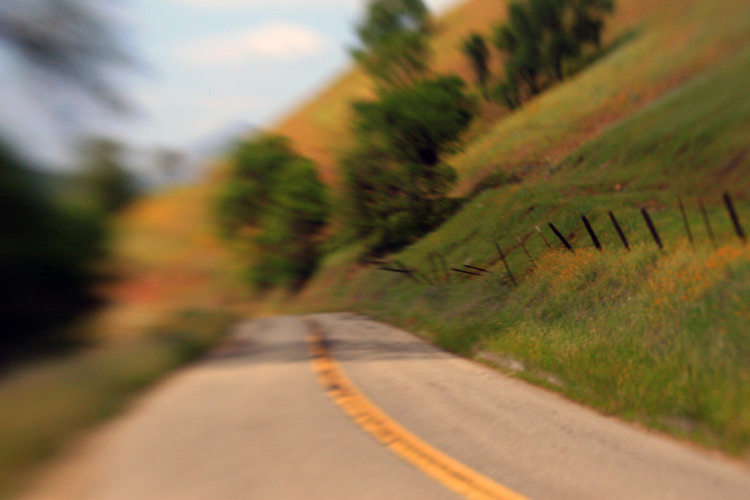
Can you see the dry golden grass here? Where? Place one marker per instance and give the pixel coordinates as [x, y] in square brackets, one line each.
[166, 257]
[318, 128]
[661, 30]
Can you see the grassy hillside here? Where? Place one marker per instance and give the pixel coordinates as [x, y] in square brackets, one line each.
[319, 127]
[167, 257]
[663, 43]
[170, 297]
[655, 336]
[673, 42]
[658, 337]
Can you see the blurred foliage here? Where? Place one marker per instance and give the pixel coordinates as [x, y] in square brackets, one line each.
[48, 400]
[255, 167]
[46, 251]
[476, 50]
[109, 185]
[169, 162]
[539, 37]
[396, 178]
[53, 227]
[276, 191]
[394, 43]
[68, 39]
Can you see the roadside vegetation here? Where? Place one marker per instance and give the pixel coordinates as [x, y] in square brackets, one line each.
[656, 337]
[86, 321]
[441, 143]
[595, 123]
[49, 400]
[272, 207]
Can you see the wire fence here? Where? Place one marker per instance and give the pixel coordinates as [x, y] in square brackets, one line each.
[440, 271]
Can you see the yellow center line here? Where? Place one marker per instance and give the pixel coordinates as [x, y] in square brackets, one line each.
[436, 464]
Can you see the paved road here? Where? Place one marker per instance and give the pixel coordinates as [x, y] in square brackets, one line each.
[252, 421]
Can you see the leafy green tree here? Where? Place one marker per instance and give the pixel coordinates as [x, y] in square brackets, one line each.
[397, 175]
[65, 38]
[48, 248]
[520, 39]
[557, 41]
[277, 192]
[290, 227]
[394, 48]
[46, 256]
[255, 166]
[539, 36]
[375, 195]
[588, 20]
[475, 48]
[508, 91]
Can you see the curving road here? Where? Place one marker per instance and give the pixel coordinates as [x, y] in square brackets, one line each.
[252, 421]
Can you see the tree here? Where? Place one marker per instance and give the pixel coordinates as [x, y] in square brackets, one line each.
[398, 172]
[47, 248]
[539, 36]
[478, 53]
[65, 38]
[394, 46]
[46, 251]
[508, 92]
[557, 41]
[276, 192]
[255, 166]
[520, 40]
[289, 228]
[109, 183]
[588, 20]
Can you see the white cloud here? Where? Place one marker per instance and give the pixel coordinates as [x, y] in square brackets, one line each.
[274, 40]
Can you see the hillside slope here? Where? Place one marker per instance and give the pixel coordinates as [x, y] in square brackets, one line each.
[664, 43]
[655, 336]
[319, 127]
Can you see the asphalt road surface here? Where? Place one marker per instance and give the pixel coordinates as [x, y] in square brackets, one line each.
[252, 421]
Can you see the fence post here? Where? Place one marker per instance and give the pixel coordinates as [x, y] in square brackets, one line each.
[527, 252]
[734, 217]
[707, 222]
[435, 268]
[543, 237]
[620, 233]
[478, 268]
[507, 267]
[560, 237]
[464, 272]
[652, 228]
[408, 271]
[685, 221]
[591, 233]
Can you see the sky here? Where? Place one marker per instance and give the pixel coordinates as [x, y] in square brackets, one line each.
[200, 67]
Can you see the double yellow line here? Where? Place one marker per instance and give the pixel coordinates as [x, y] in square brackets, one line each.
[431, 461]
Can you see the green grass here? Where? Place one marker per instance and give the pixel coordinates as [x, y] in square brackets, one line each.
[46, 402]
[674, 42]
[656, 337]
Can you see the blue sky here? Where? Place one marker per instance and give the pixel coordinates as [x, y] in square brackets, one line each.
[202, 65]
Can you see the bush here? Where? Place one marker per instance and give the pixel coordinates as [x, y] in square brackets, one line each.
[46, 257]
[277, 192]
[540, 36]
[395, 176]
